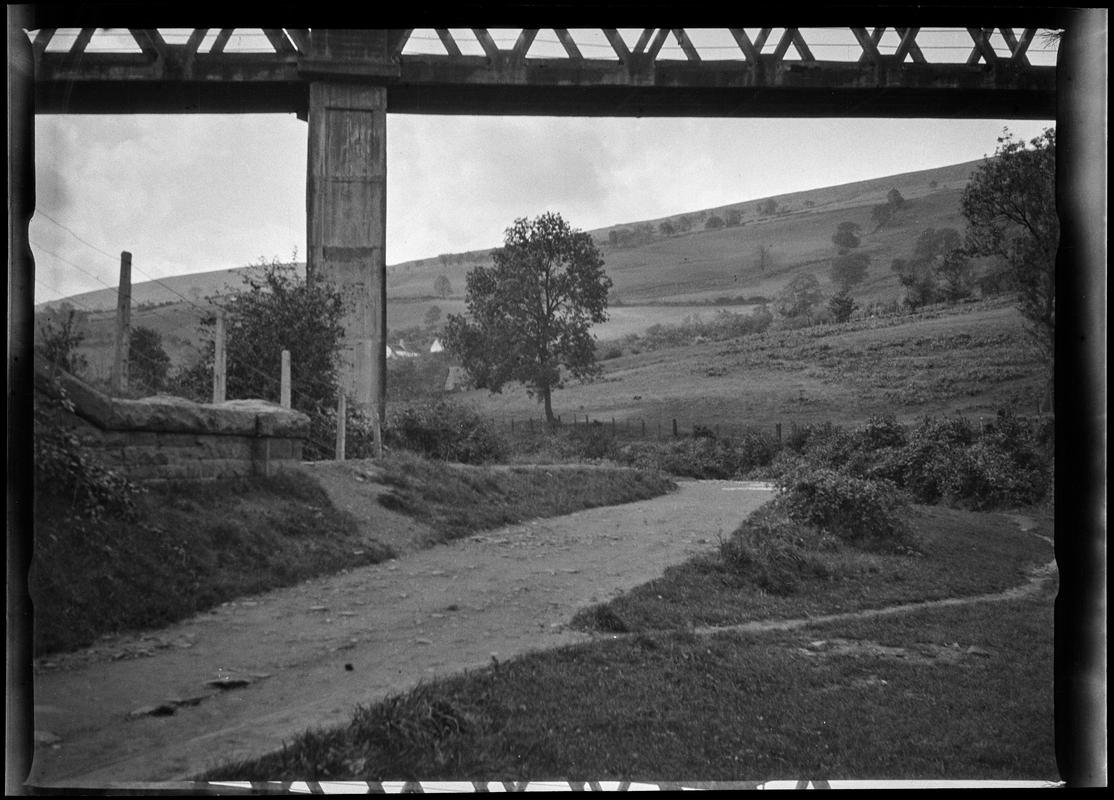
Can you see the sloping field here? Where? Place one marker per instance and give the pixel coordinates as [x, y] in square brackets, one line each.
[970, 359]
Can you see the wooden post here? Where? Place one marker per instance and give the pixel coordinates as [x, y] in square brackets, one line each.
[778, 429]
[644, 428]
[284, 387]
[613, 426]
[674, 426]
[659, 429]
[377, 432]
[342, 423]
[220, 372]
[530, 424]
[119, 380]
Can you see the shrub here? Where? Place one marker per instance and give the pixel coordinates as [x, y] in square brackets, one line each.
[863, 512]
[444, 431]
[775, 551]
[68, 474]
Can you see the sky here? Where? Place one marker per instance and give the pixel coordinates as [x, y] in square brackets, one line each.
[194, 193]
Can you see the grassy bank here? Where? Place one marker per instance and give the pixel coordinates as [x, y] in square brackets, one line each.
[456, 500]
[958, 554]
[188, 547]
[962, 692]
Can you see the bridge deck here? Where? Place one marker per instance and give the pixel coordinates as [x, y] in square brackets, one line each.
[770, 75]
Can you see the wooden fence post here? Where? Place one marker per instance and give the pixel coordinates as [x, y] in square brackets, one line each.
[284, 385]
[674, 426]
[643, 428]
[342, 424]
[778, 429]
[119, 380]
[220, 372]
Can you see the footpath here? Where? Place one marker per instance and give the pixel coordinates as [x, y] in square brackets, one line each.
[241, 680]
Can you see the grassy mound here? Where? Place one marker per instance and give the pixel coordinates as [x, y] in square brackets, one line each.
[187, 547]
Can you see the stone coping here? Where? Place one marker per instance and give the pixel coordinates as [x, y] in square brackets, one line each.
[169, 414]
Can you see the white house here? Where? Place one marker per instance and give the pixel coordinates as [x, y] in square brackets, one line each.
[436, 347]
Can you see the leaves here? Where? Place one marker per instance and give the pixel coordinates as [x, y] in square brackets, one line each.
[1010, 206]
[530, 313]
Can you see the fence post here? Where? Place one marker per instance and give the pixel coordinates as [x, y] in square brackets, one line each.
[284, 386]
[643, 428]
[119, 380]
[613, 426]
[342, 423]
[220, 375]
[530, 424]
[777, 427]
[674, 426]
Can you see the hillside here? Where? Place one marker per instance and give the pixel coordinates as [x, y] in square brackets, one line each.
[657, 278]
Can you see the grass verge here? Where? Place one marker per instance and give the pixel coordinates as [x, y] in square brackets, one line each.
[959, 554]
[948, 693]
[190, 546]
[456, 500]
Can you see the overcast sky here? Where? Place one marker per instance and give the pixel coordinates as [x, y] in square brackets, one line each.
[197, 193]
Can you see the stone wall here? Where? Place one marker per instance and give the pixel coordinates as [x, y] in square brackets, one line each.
[164, 437]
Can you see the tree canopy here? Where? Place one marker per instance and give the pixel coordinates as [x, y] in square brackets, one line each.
[846, 236]
[280, 311]
[148, 362]
[530, 313]
[799, 296]
[1010, 207]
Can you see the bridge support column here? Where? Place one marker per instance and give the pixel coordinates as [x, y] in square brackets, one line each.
[346, 221]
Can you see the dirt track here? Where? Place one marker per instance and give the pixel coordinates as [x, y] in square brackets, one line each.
[310, 653]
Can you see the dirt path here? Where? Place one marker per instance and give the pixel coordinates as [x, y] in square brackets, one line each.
[305, 656]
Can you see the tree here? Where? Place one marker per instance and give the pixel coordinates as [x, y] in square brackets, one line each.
[957, 280]
[1010, 207]
[799, 297]
[888, 211]
[442, 286]
[767, 208]
[842, 305]
[764, 255]
[849, 270]
[666, 228]
[432, 316]
[148, 362]
[732, 217]
[530, 312]
[59, 338]
[846, 236]
[280, 311]
[713, 222]
[938, 257]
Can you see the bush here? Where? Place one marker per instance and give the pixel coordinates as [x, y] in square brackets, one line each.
[68, 474]
[867, 513]
[444, 431]
[775, 551]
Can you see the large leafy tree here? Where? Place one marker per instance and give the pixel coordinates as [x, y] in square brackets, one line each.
[1010, 207]
[530, 312]
[278, 311]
